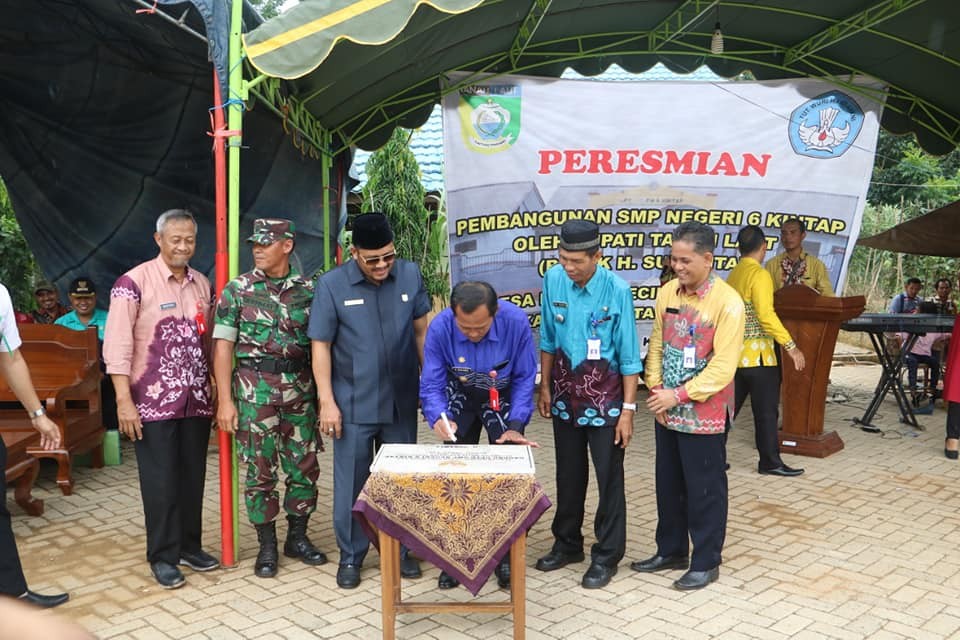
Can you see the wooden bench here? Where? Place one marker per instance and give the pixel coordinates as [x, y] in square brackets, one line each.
[22, 468]
[65, 368]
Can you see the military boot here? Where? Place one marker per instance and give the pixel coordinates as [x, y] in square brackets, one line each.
[267, 558]
[298, 545]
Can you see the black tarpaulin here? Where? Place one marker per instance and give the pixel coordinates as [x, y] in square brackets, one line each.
[104, 121]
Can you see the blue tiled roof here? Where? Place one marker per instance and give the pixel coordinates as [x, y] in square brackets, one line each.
[427, 141]
[427, 146]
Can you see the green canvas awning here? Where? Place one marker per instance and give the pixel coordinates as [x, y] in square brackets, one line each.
[933, 234]
[362, 67]
[297, 42]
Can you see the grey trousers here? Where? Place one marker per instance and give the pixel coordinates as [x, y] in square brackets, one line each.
[352, 455]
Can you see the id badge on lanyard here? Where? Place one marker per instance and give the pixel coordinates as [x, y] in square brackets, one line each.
[593, 342]
[593, 348]
[690, 351]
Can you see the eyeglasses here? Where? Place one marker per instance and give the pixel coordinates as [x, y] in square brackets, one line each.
[372, 260]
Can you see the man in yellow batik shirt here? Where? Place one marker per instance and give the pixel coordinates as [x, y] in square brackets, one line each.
[758, 374]
[796, 266]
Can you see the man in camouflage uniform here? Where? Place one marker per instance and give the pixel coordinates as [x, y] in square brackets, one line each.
[269, 399]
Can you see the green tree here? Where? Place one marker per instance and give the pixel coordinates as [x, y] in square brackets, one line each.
[904, 173]
[394, 188]
[18, 268]
[269, 8]
[907, 183]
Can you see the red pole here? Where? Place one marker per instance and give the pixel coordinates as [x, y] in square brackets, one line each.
[228, 553]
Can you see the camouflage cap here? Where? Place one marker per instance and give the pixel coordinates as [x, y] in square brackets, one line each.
[44, 285]
[270, 230]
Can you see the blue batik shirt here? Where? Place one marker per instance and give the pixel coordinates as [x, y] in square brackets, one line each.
[456, 372]
[588, 392]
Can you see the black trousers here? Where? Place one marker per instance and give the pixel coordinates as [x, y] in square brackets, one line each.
[691, 496]
[173, 465]
[953, 420]
[610, 521]
[762, 384]
[12, 582]
[913, 360]
[108, 404]
[470, 434]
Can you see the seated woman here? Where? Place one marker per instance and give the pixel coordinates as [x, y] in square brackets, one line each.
[922, 353]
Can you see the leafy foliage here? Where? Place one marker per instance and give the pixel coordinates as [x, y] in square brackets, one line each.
[268, 8]
[906, 183]
[18, 268]
[395, 189]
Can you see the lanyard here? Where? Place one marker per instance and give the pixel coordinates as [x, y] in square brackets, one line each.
[596, 322]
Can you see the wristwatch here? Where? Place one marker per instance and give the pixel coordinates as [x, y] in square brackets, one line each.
[631, 406]
[37, 413]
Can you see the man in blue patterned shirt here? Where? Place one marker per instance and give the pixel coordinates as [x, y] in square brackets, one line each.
[479, 370]
[589, 363]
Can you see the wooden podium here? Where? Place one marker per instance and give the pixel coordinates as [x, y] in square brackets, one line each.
[814, 322]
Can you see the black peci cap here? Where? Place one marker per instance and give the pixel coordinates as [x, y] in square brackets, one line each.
[371, 231]
[579, 235]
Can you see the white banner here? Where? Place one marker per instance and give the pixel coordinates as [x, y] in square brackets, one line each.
[522, 155]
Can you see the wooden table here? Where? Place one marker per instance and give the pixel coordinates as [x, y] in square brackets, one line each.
[393, 602]
[458, 507]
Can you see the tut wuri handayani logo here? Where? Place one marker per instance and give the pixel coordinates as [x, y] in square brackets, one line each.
[825, 126]
[490, 116]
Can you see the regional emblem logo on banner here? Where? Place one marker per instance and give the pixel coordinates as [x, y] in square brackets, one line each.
[490, 116]
[826, 126]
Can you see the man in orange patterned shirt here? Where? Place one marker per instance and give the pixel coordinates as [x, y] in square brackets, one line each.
[693, 355]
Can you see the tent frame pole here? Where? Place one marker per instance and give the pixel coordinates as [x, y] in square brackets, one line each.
[238, 95]
[326, 162]
[224, 439]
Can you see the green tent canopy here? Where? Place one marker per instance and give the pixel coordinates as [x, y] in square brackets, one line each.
[362, 67]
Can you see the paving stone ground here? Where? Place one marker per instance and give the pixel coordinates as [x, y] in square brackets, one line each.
[861, 546]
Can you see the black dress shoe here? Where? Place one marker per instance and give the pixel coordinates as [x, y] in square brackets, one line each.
[785, 471]
[696, 579]
[45, 602]
[447, 581]
[503, 573]
[557, 560]
[597, 576]
[659, 563]
[167, 575]
[409, 567]
[198, 560]
[348, 576]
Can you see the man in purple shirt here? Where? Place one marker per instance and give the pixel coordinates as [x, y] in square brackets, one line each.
[156, 348]
[479, 370]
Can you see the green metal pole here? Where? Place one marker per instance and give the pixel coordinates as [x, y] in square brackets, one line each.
[235, 123]
[325, 163]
